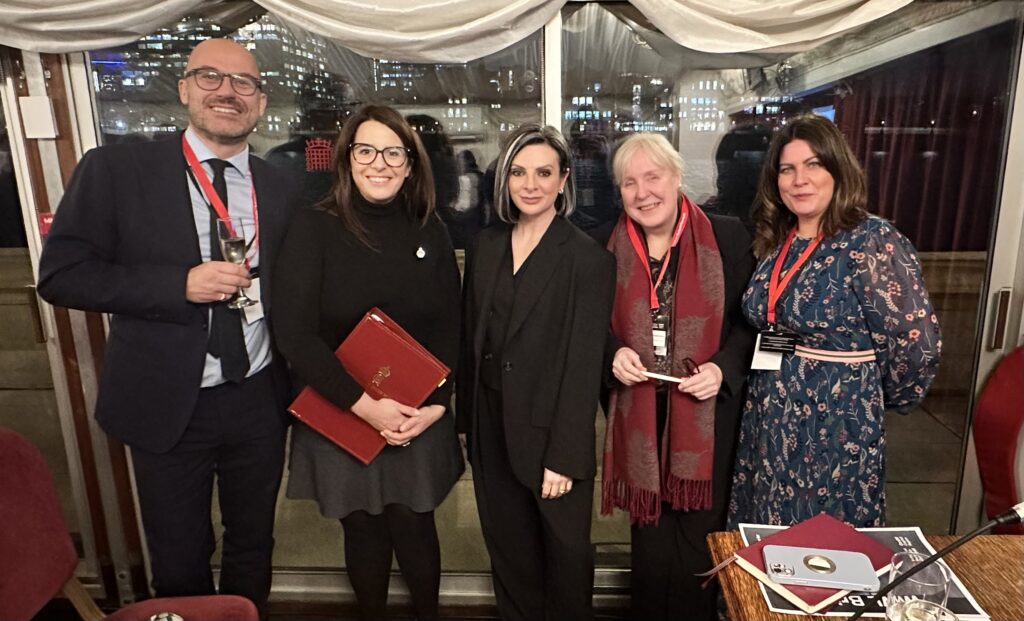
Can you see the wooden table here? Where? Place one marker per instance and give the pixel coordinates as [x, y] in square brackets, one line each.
[992, 567]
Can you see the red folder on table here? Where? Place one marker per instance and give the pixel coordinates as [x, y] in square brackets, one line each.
[386, 362]
[821, 531]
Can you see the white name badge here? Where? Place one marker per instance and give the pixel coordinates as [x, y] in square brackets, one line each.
[255, 312]
[765, 360]
[660, 338]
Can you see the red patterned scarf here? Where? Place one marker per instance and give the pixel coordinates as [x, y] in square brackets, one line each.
[633, 479]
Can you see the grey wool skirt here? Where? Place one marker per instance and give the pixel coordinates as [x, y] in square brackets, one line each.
[418, 476]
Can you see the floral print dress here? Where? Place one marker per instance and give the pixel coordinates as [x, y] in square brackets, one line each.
[812, 438]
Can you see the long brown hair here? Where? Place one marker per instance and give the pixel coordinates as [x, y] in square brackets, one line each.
[418, 189]
[848, 207]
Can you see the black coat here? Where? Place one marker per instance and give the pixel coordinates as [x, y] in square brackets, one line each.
[123, 241]
[733, 357]
[553, 352]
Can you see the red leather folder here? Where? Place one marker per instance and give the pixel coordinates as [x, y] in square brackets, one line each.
[821, 531]
[386, 362]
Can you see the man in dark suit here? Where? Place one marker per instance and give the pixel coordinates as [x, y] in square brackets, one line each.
[192, 386]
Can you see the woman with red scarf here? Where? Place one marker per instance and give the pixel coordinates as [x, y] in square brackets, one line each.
[681, 354]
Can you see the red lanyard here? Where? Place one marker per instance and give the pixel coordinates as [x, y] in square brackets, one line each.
[641, 251]
[214, 199]
[775, 287]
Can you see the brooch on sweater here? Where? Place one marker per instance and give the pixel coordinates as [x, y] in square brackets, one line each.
[420, 252]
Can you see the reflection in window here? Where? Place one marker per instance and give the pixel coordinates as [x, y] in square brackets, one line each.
[462, 111]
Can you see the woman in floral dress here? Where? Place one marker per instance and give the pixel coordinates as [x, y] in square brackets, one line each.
[848, 292]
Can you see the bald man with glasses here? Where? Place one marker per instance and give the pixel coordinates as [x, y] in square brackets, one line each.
[193, 386]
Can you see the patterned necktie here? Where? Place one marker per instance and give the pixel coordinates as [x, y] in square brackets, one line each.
[226, 339]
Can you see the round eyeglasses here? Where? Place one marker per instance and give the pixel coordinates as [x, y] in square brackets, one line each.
[210, 79]
[366, 154]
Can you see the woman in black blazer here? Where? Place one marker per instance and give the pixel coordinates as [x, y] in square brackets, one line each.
[670, 446]
[538, 295]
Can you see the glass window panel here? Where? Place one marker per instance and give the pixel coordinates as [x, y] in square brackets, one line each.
[27, 401]
[461, 111]
[922, 96]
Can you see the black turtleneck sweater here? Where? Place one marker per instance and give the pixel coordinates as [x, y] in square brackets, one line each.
[325, 280]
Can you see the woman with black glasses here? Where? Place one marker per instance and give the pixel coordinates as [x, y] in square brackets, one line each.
[375, 241]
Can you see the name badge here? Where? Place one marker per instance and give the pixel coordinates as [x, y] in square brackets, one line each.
[765, 360]
[255, 312]
[660, 337]
[778, 341]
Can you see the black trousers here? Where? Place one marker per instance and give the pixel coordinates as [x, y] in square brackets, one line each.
[665, 558]
[236, 436]
[541, 556]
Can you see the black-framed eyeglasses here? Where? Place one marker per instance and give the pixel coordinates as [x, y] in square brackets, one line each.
[209, 79]
[366, 154]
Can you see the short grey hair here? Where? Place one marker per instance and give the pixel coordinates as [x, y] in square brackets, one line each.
[656, 146]
[532, 133]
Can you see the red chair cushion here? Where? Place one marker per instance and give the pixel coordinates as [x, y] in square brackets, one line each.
[199, 608]
[999, 435]
[36, 553]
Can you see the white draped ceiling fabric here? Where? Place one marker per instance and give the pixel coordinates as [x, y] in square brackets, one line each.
[440, 30]
[759, 25]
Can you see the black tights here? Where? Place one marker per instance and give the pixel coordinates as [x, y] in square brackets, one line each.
[370, 541]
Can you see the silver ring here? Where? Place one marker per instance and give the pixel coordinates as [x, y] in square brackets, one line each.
[407, 443]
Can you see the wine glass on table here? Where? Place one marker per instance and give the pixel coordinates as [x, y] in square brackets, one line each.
[231, 234]
[930, 584]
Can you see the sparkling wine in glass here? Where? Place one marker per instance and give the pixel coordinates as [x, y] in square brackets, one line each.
[231, 234]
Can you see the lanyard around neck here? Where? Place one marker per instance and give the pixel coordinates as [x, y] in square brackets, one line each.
[213, 199]
[775, 286]
[641, 250]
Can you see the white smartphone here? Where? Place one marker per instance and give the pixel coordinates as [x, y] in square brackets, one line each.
[834, 569]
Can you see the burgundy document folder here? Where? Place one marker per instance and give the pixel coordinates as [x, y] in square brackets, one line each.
[821, 531]
[386, 362]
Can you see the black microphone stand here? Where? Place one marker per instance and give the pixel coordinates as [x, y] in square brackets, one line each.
[1016, 514]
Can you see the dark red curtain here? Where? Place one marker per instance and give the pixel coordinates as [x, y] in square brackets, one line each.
[928, 130]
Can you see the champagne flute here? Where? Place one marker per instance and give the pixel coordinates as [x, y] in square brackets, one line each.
[232, 246]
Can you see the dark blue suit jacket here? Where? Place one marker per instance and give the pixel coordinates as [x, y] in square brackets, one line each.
[122, 242]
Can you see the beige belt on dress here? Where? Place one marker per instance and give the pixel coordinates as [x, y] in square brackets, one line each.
[867, 355]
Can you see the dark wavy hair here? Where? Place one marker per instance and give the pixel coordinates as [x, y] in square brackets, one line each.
[848, 206]
[532, 133]
[417, 191]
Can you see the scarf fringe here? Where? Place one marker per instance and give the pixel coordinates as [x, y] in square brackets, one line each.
[688, 494]
[643, 505]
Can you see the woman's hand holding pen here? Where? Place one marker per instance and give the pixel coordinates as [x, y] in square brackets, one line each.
[703, 384]
[627, 368]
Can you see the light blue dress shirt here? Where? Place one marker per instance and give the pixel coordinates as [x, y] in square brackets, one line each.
[240, 208]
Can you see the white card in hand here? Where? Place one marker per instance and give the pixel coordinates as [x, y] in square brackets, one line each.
[255, 312]
[765, 360]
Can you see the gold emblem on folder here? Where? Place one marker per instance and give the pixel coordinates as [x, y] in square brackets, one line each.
[379, 377]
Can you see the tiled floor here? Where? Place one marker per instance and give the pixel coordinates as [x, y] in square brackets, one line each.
[923, 456]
